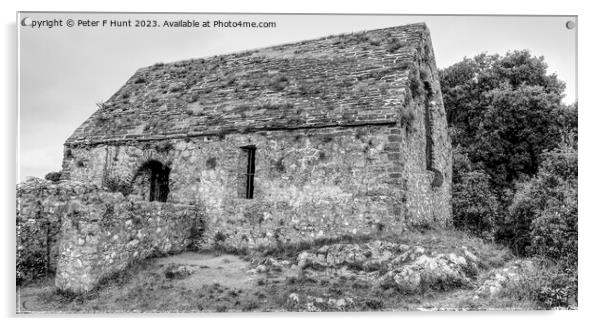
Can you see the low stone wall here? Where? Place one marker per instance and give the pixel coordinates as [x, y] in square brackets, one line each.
[87, 234]
[108, 233]
[40, 207]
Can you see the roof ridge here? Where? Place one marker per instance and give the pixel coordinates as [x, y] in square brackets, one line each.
[422, 25]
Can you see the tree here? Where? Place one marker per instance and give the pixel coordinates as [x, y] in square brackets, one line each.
[505, 111]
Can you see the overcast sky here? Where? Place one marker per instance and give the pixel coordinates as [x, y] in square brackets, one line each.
[64, 70]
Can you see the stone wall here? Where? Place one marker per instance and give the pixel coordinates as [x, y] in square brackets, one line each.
[96, 233]
[428, 189]
[309, 183]
[350, 132]
[108, 233]
[41, 205]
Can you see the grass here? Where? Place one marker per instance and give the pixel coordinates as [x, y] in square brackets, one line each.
[147, 286]
[546, 286]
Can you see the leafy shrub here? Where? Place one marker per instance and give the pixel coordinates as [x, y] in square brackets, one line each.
[219, 237]
[32, 259]
[474, 205]
[553, 191]
[548, 285]
[543, 214]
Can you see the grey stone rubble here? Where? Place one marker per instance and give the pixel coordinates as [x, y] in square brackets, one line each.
[389, 264]
[500, 277]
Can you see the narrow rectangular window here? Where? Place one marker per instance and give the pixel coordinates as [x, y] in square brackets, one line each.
[429, 137]
[250, 174]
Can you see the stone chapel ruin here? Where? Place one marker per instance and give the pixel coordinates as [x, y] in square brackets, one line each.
[343, 135]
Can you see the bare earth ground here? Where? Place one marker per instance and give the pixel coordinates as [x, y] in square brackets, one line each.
[213, 282]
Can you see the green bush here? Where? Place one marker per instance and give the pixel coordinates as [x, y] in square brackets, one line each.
[32, 259]
[474, 205]
[544, 210]
[548, 285]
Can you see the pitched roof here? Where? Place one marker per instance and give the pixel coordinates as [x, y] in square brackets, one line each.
[341, 80]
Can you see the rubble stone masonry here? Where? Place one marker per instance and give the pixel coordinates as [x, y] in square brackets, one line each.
[344, 135]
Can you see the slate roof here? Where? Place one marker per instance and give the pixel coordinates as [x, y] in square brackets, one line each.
[344, 80]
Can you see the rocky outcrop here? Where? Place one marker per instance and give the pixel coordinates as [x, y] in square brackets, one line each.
[499, 278]
[316, 304]
[387, 264]
[440, 272]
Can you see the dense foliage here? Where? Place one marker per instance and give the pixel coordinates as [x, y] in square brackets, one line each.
[514, 174]
[32, 252]
[547, 205]
[515, 166]
[475, 207]
[505, 111]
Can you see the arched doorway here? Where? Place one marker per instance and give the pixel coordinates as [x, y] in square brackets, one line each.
[151, 181]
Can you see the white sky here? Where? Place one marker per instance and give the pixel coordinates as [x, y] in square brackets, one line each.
[64, 71]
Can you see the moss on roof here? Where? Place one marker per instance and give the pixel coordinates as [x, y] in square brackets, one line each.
[349, 79]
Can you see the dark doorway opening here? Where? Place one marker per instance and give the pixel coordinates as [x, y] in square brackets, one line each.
[151, 181]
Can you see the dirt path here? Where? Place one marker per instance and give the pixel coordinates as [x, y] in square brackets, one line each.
[208, 269]
[193, 275]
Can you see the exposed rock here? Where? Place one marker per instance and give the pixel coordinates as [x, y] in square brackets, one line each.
[499, 278]
[442, 272]
[293, 298]
[328, 304]
[409, 269]
[174, 271]
[369, 256]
